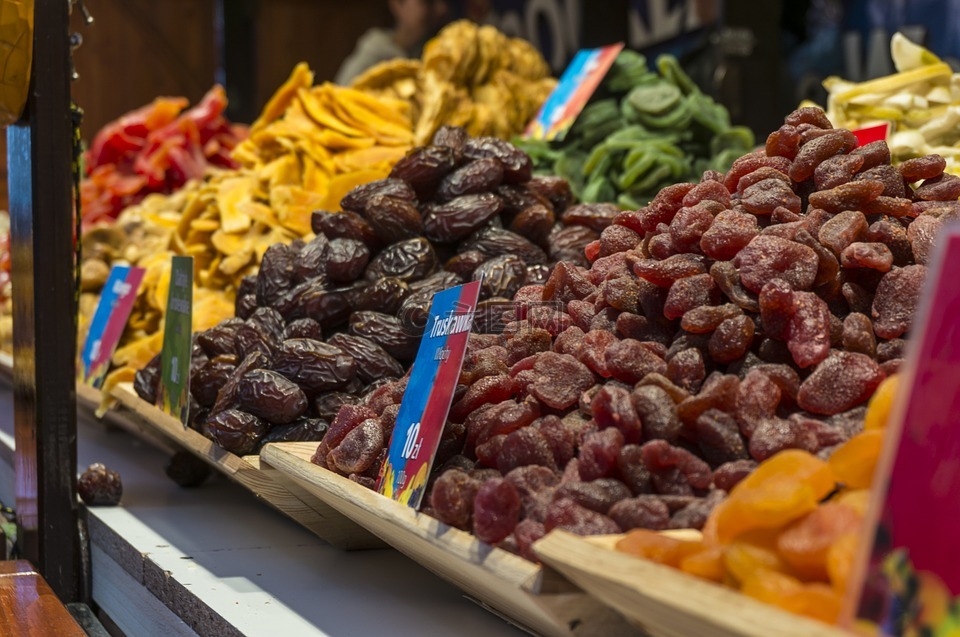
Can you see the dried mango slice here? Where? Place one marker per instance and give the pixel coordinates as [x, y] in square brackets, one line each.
[231, 193]
[315, 103]
[300, 78]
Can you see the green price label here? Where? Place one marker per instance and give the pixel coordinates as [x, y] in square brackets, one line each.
[174, 396]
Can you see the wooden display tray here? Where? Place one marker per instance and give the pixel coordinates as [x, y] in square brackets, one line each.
[664, 602]
[522, 592]
[325, 522]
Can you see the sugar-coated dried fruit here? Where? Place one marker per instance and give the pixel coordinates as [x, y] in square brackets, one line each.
[732, 339]
[849, 196]
[689, 293]
[729, 474]
[895, 303]
[496, 510]
[642, 512]
[842, 230]
[875, 256]
[942, 188]
[567, 515]
[597, 495]
[768, 257]
[763, 197]
[836, 170]
[687, 369]
[598, 454]
[559, 380]
[842, 381]
[629, 361]
[524, 447]
[874, 154]
[359, 448]
[452, 498]
[812, 153]
[729, 233]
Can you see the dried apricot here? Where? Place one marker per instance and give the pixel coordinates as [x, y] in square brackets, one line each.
[657, 547]
[881, 404]
[805, 543]
[854, 461]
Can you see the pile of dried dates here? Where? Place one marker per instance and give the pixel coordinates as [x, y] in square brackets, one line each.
[752, 312]
[329, 322]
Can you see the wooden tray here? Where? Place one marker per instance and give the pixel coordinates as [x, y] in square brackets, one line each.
[664, 602]
[518, 590]
[326, 523]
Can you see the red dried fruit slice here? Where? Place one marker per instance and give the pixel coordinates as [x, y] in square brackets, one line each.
[763, 197]
[689, 293]
[841, 382]
[783, 142]
[943, 188]
[874, 154]
[926, 167]
[836, 170]
[849, 196]
[875, 256]
[769, 257]
[809, 115]
[813, 152]
[842, 230]
[895, 303]
[663, 273]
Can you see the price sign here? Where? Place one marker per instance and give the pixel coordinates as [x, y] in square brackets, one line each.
[109, 321]
[907, 580]
[174, 396]
[426, 401]
[575, 88]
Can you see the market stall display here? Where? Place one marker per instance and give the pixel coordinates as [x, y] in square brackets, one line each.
[727, 321]
[471, 76]
[309, 143]
[779, 538]
[646, 129]
[336, 319]
[920, 102]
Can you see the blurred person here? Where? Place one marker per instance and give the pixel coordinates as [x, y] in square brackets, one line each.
[413, 22]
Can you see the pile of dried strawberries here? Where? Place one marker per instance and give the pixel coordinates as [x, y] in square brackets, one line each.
[752, 312]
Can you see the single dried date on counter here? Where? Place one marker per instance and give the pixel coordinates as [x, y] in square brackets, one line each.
[99, 486]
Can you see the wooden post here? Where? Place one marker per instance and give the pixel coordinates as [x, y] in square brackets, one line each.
[44, 336]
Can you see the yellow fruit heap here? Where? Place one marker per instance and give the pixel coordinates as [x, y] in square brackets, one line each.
[471, 76]
[921, 102]
[310, 146]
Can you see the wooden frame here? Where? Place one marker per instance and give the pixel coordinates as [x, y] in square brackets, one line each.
[665, 602]
[326, 524]
[510, 586]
